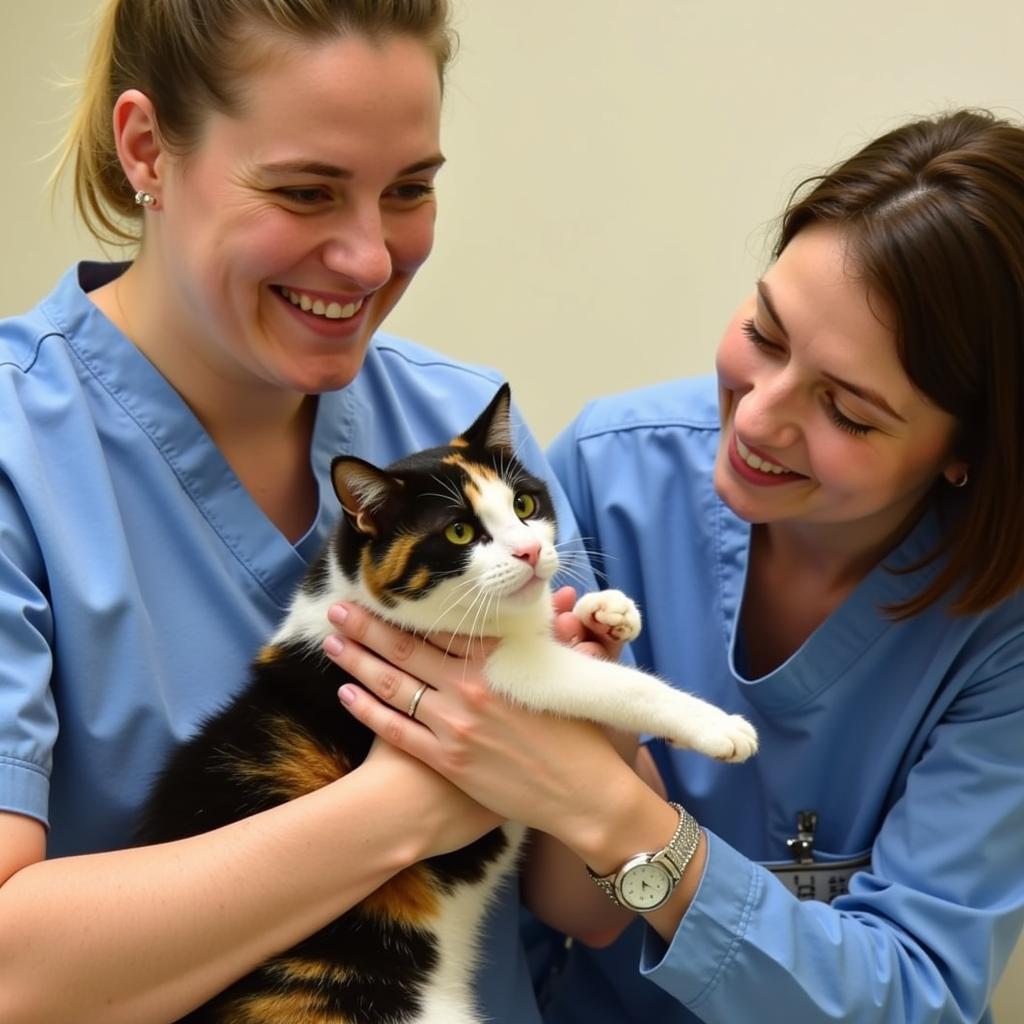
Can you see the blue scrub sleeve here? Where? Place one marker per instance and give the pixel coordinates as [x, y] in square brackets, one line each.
[28, 721]
[922, 935]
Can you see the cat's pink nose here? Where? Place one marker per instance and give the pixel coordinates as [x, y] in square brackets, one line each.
[528, 553]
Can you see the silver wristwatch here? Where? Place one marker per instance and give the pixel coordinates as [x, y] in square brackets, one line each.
[647, 880]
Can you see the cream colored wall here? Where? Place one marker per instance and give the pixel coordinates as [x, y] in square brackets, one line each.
[614, 166]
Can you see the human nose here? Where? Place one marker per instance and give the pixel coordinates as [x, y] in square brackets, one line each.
[768, 413]
[358, 248]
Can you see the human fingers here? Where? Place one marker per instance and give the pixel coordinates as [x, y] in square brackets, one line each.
[396, 646]
[400, 690]
[459, 645]
[569, 630]
[542, 770]
[563, 599]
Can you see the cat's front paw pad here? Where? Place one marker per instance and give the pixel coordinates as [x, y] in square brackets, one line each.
[729, 738]
[609, 613]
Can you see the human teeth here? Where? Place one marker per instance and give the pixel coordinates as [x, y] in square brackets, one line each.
[755, 461]
[329, 310]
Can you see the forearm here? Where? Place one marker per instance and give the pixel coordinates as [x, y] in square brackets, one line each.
[556, 886]
[144, 935]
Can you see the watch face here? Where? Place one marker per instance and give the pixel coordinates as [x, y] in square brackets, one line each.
[644, 886]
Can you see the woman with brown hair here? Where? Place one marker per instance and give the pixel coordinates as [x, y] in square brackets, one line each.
[825, 539]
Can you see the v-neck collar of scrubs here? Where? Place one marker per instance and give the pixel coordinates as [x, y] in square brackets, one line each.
[146, 396]
[841, 640]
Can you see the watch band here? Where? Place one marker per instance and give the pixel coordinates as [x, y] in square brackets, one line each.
[675, 856]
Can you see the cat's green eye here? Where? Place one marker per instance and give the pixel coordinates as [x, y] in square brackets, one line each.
[525, 505]
[459, 533]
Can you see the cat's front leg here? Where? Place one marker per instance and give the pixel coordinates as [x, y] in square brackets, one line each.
[609, 613]
[541, 674]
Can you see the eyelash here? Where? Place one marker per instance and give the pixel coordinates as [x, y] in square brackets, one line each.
[754, 335]
[303, 196]
[411, 192]
[844, 422]
[831, 409]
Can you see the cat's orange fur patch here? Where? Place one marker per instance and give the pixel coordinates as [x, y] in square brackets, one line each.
[379, 575]
[268, 654]
[295, 765]
[471, 469]
[410, 897]
[418, 580]
[281, 1008]
[309, 972]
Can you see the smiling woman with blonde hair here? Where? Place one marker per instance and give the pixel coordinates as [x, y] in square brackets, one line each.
[166, 430]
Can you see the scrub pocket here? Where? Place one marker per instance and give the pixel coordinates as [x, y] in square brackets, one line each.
[824, 878]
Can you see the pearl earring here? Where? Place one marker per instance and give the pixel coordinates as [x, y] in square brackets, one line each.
[144, 199]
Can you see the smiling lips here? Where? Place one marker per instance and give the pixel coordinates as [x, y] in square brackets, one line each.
[328, 310]
[757, 469]
[756, 461]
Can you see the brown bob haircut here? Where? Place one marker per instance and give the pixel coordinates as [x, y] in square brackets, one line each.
[932, 214]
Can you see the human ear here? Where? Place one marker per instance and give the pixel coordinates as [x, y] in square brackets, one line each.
[137, 137]
[956, 474]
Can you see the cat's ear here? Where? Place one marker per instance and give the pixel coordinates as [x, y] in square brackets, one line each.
[492, 429]
[365, 492]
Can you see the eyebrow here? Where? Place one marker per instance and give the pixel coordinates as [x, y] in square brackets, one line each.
[324, 170]
[864, 393]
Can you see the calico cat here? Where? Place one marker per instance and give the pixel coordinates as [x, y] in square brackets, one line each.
[458, 538]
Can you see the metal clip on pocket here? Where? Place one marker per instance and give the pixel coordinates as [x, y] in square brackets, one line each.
[808, 879]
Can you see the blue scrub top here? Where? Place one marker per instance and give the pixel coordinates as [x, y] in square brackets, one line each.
[906, 738]
[138, 577]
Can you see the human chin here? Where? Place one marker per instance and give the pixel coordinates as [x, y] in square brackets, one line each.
[315, 375]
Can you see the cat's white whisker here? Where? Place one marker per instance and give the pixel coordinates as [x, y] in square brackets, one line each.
[579, 546]
[576, 577]
[442, 622]
[455, 601]
[479, 601]
[470, 634]
[454, 503]
[484, 607]
[580, 569]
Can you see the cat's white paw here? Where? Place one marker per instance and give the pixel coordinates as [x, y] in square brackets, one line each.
[609, 612]
[729, 738]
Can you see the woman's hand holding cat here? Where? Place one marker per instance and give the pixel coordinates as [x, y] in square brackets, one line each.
[551, 773]
[447, 818]
[561, 777]
[569, 630]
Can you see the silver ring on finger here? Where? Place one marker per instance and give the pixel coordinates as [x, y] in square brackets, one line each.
[416, 698]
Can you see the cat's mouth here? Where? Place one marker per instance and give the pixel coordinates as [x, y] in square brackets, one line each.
[529, 588]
